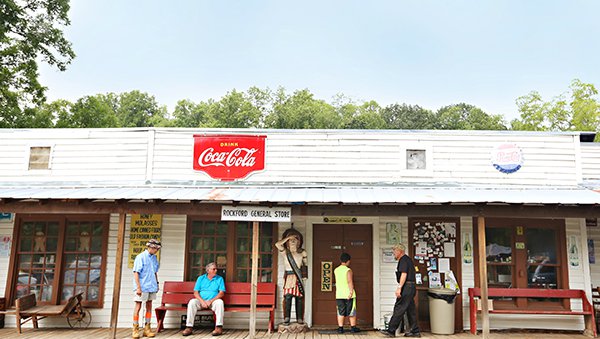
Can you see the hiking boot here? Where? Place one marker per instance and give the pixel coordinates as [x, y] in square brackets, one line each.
[187, 331]
[355, 329]
[218, 331]
[387, 333]
[135, 334]
[340, 330]
[148, 332]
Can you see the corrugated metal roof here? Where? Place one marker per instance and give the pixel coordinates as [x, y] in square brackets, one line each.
[339, 194]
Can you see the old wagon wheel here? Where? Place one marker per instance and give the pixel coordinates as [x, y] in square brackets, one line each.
[81, 320]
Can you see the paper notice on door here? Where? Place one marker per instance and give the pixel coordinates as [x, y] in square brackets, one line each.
[449, 249]
[444, 264]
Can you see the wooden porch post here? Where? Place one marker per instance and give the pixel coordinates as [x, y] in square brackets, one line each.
[485, 320]
[253, 293]
[114, 314]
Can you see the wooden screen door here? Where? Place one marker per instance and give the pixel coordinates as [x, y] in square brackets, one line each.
[330, 240]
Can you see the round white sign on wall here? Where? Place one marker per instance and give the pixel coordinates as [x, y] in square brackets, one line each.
[507, 158]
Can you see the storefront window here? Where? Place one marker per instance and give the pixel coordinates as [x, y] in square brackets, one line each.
[59, 256]
[525, 253]
[229, 245]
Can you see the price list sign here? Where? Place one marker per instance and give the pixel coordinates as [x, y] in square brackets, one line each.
[143, 228]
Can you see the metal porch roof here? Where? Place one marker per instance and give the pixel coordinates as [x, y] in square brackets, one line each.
[333, 194]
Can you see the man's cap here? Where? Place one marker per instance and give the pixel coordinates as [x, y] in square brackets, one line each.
[153, 243]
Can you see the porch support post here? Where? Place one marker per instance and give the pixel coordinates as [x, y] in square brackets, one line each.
[485, 320]
[253, 291]
[114, 314]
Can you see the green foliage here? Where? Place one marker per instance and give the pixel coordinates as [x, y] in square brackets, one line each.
[234, 110]
[301, 111]
[137, 109]
[405, 116]
[88, 112]
[578, 110]
[29, 29]
[467, 117]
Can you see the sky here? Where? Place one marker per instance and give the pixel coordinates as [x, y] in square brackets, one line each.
[426, 53]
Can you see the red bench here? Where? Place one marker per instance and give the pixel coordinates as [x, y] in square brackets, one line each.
[176, 295]
[587, 311]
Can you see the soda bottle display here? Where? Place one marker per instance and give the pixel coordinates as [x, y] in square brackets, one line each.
[468, 251]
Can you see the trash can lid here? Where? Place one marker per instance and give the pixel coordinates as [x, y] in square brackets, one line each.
[445, 291]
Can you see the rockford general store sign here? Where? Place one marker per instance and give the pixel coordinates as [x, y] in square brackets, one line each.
[229, 157]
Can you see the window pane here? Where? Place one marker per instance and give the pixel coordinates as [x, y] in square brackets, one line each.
[499, 248]
[541, 245]
[541, 276]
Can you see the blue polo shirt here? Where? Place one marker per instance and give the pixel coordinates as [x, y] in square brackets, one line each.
[209, 288]
[147, 266]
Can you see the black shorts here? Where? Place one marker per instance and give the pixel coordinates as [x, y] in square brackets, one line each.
[346, 307]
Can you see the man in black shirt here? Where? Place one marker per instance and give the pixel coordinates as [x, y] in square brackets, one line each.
[405, 295]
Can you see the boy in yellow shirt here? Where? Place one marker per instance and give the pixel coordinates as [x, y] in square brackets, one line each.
[345, 296]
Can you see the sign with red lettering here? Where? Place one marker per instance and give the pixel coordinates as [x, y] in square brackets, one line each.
[507, 158]
[229, 157]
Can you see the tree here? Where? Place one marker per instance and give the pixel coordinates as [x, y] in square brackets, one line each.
[365, 116]
[467, 117]
[29, 29]
[301, 111]
[137, 109]
[578, 110]
[48, 113]
[234, 110]
[408, 117]
[189, 114]
[89, 112]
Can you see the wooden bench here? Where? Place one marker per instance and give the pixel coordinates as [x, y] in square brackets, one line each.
[176, 295]
[26, 309]
[587, 311]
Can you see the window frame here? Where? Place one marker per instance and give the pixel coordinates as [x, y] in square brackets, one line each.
[57, 286]
[519, 260]
[231, 247]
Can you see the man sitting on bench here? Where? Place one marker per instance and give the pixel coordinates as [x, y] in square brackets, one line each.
[208, 294]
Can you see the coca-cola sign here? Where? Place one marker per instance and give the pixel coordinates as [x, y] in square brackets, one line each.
[229, 157]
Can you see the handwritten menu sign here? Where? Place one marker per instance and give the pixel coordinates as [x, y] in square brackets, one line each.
[143, 228]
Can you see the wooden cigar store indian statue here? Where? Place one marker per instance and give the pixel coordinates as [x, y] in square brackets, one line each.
[296, 271]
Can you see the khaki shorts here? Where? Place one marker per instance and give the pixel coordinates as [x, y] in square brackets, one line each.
[146, 296]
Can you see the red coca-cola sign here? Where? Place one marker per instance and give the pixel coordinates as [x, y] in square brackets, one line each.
[229, 157]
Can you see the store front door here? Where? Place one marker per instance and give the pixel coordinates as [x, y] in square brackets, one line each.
[330, 240]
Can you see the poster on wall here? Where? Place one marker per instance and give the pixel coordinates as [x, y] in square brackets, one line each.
[392, 234]
[387, 255]
[573, 252]
[591, 251]
[143, 228]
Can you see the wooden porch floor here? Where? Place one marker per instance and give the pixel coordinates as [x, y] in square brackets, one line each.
[122, 333]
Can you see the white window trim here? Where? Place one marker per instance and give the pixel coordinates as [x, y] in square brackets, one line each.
[27, 153]
[428, 171]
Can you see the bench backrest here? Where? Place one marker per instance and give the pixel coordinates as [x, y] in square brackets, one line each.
[528, 293]
[237, 293]
[26, 302]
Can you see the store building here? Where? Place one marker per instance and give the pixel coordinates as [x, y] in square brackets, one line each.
[63, 192]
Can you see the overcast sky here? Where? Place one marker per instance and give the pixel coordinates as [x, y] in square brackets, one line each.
[429, 53]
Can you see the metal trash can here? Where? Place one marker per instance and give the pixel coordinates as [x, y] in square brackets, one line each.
[441, 310]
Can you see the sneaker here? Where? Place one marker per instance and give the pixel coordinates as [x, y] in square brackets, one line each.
[413, 334]
[387, 333]
[355, 329]
[340, 330]
[187, 331]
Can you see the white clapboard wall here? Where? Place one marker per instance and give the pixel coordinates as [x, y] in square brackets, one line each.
[321, 156]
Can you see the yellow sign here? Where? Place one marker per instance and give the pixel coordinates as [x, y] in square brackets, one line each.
[143, 228]
[519, 230]
[326, 276]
